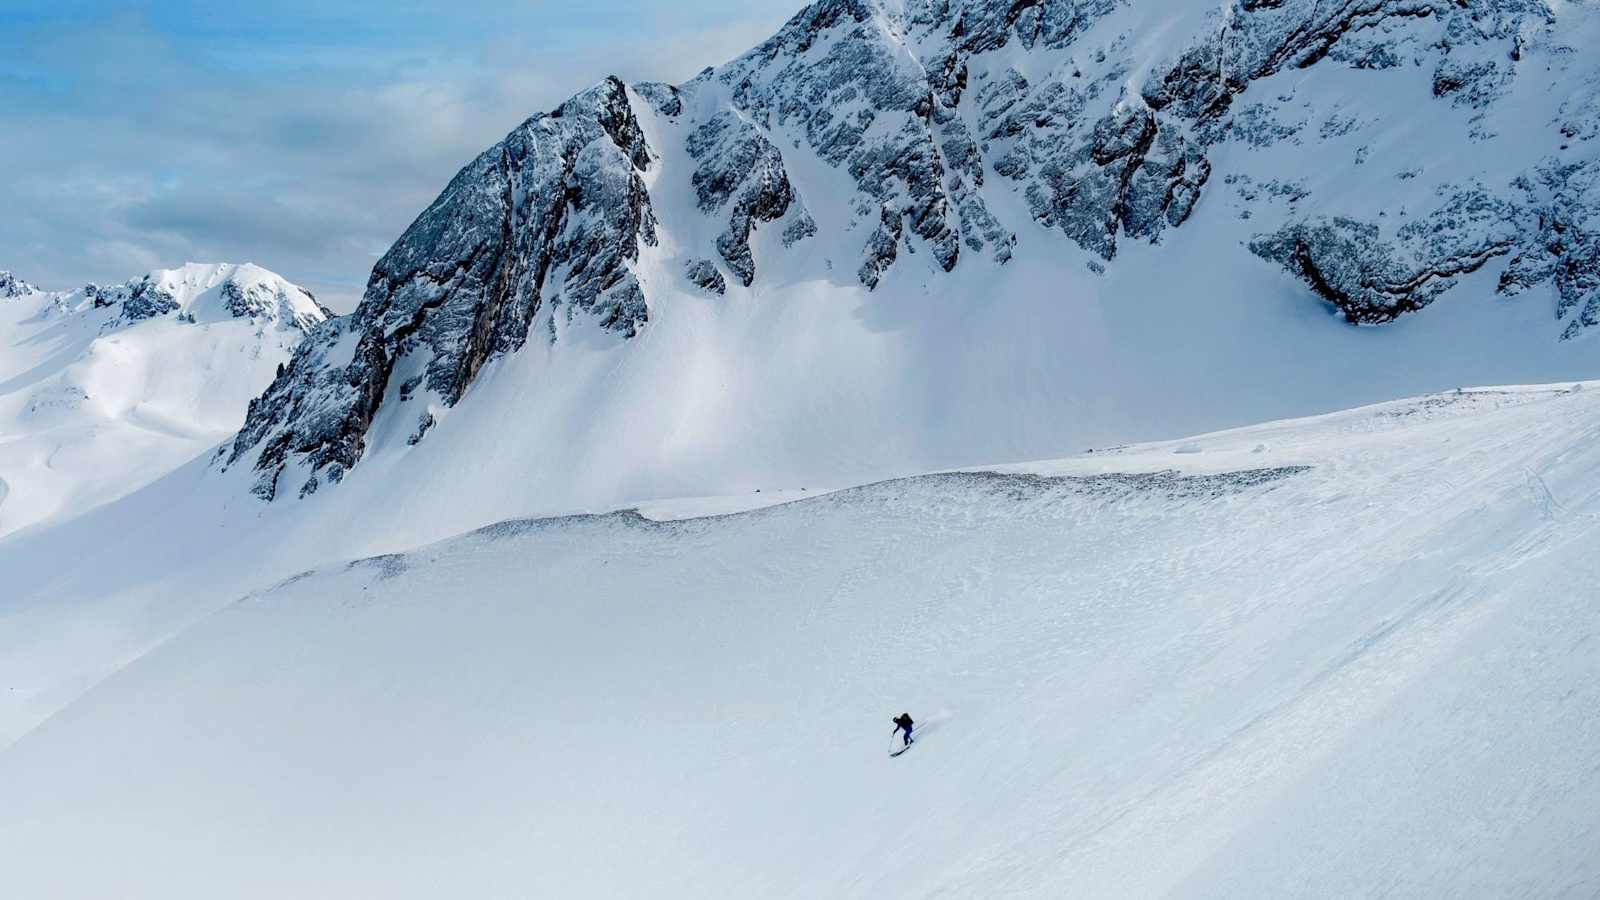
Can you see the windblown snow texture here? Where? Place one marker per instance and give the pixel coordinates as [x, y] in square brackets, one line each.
[955, 127]
[1343, 657]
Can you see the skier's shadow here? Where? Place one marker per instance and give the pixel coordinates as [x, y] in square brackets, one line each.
[932, 723]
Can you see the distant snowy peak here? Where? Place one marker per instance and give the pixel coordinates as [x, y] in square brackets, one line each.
[866, 132]
[12, 286]
[197, 292]
[133, 379]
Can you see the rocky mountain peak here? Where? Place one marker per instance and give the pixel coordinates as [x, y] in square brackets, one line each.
[867, 132]
[12, 286]
[207, 292]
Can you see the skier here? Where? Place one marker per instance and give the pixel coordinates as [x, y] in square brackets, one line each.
[903, 723]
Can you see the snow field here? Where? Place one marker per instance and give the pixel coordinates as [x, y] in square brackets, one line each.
[1360, 669]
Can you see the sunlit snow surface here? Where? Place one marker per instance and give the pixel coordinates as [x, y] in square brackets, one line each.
[1345, 656]
[96, 402]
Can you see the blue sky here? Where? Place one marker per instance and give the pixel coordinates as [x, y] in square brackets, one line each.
[300, 135]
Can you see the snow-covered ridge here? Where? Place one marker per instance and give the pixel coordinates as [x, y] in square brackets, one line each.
[196, 292]
[105, 388]
[12, 286]
[985, 158]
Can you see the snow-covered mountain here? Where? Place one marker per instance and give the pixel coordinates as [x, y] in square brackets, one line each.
[1343, 657]
[903, 235]
[103, 389]
[529, 612]
[12, 287]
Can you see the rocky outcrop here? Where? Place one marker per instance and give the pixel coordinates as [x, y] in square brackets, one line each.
[12, 286]
[665, 98]
[204, 290]
[945, 128]
[137, 299]
[1347, 264]
[273, 301]
[1372, 280]
[1547, 237]
[1561, 243]
[741, 171]
[145, 300]
[703, 274]
[838, 79]
[553, 216]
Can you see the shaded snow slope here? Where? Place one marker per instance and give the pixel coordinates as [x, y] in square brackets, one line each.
[104, 389]
[1340, 656]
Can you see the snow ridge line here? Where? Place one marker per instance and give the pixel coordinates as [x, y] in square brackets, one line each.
[1168, 484]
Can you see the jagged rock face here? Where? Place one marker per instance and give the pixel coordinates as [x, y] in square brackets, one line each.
[945, 127]
[260, 300]
[557, 211]
[1560, 242]
[143, 300]
[331, 400]
[240, 291]
[703, 274]
[553, 215]
[12, 286]
[742, 170]
[1371, 280]
[1372, 271]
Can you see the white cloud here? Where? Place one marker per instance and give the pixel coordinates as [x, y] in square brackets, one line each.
[142, 148]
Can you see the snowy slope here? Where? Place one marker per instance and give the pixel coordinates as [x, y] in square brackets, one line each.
[1336, 656]
[105, 389]
[1344, 656]
[904, 236]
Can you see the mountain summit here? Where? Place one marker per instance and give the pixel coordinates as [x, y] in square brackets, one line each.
[998, 162]
[105, 388]
[12, 286]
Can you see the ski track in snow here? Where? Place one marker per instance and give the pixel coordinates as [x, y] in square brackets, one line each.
[1355, 662]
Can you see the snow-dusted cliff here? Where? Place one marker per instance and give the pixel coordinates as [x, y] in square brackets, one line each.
[105, 388]
[11, 286]
[1053, 222]
[1343, 655]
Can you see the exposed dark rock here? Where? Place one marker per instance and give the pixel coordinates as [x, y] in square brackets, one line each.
[1371, 280]
[882, 248]
[800, 227]
[1562, 245]
[139, 299]
[703, 274]
[424, 422]
[12, 286]
[1473, 84]
[861, 104]
[145, 300]
[559, 206]
[667, 99]
[263, 301]
[919, 118]
[738, 164]
[1193, 87]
